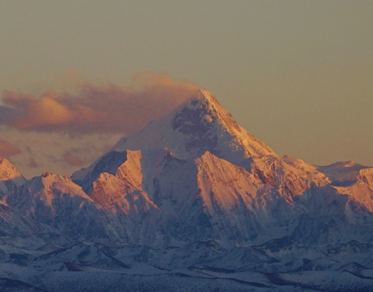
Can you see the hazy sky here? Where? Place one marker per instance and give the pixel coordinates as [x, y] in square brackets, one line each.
[296, 74]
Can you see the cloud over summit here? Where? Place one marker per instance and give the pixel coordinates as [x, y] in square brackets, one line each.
[96, 109]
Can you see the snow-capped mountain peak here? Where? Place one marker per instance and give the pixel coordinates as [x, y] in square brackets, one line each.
[8, 171]
[9, 176]
[200, 124]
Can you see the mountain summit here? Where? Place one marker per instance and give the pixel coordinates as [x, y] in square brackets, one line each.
[198, 125]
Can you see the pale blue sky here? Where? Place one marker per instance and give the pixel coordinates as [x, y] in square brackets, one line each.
[296, 74]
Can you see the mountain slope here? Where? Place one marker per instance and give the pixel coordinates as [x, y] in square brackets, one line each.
[53, 203]
[291, 177]
[11, 221]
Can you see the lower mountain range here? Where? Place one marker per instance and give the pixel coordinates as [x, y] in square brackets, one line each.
[193, 202]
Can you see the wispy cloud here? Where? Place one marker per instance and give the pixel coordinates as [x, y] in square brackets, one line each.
[7, 149]
[96, 109]
[77, 156]
[73, 160]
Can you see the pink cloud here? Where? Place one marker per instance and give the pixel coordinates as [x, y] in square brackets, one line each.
[102, 109]
[7, 149]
